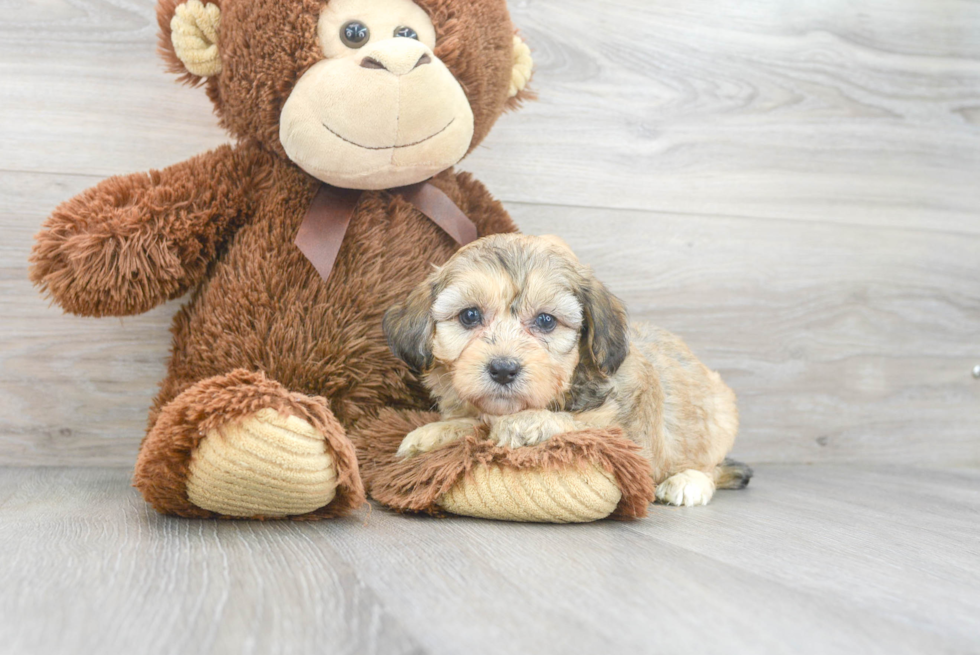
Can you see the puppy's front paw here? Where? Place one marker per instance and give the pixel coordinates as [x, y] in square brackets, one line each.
[687, 488]
[435, 435]
[530, 427]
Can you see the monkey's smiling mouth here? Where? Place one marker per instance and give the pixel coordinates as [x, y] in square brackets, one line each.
[404, 145]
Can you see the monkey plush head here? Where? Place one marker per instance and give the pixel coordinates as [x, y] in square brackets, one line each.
[361, 94]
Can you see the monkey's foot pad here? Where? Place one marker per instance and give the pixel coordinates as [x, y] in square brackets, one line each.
[571, 478]
[265, 465]
[537, 495]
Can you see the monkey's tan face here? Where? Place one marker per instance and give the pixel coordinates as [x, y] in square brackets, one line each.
[381, 110]
[505, 340]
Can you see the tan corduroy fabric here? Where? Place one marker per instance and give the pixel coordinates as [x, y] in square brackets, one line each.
[194, 34]
[523, 65]
[540, 496]
[266, 465]
[573, 477]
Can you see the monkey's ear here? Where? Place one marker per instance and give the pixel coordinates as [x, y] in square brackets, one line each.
[189, 37]
[408, 327]
[605, 330]
[520, 73]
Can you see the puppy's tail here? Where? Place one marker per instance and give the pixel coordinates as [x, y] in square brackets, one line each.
[732, 475]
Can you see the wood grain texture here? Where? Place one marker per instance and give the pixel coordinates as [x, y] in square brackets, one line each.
[842, 342]
[853, 112]
[819, 559]
[89, 568]
[71, 389]
[862, 112]
[789, 185]
[838, 350]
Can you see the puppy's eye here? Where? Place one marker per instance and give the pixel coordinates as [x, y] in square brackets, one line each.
[545, 322]
[470, 317]
[355, 34]
[407, 32]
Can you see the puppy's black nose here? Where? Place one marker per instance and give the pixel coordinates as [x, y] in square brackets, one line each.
[504, 371]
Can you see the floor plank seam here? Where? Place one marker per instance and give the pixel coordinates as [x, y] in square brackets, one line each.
[746, 217]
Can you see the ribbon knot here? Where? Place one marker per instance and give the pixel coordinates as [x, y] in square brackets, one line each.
[323, 228]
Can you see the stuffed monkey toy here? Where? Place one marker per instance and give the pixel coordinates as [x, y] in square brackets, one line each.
[337, 198]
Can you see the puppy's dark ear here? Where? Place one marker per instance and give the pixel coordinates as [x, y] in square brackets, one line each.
[408, 328]
[605, 331]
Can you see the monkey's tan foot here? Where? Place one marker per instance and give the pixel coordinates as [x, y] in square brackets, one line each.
[687, 488]
[242, 446]
[267, 464]
[435, 435]
[569, 478]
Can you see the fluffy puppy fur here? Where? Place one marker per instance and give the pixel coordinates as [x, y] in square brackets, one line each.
[516, 334]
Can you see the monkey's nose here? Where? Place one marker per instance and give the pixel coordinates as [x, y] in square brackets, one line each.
[398, 61]
[504, 371]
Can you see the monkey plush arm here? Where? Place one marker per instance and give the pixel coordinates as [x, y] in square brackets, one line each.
[133, 242]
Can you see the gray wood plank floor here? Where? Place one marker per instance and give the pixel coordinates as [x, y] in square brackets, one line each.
[808, 559]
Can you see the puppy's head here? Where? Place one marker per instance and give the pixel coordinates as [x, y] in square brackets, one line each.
[507, 324]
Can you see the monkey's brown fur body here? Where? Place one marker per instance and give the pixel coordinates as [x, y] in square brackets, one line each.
[261, 325]
[264, 309]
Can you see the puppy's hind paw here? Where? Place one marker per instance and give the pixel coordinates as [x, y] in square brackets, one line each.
[687, 488]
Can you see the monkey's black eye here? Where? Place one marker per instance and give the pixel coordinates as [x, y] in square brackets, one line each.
[355, 34]
[546, 322]
[470, 317]
[407, 32]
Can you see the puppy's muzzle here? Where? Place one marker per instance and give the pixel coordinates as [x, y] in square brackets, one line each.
[504, 371]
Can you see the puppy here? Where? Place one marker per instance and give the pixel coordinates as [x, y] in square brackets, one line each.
[513, 332]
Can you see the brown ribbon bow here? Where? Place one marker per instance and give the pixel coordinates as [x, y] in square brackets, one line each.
[322, 231]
